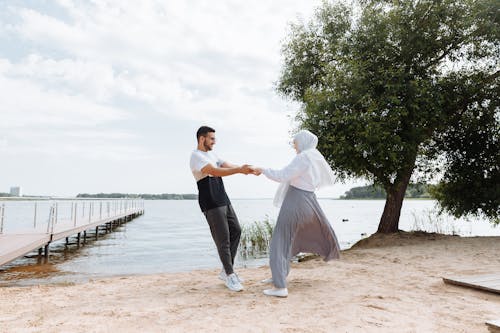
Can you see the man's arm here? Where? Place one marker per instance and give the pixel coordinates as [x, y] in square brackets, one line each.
[226, 171]
[229, 165]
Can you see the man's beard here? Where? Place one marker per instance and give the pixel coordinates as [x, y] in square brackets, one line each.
[207, 147]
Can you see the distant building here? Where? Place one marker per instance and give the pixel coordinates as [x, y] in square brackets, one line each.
[15, 191]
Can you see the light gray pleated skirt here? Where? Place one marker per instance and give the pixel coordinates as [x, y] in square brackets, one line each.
[301, 227]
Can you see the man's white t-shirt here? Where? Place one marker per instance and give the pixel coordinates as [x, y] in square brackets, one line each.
[211, 192]
[200, 159]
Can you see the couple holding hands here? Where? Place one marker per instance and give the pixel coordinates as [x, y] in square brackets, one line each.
[301, 225]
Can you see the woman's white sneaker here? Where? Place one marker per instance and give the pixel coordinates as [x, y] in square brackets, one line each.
[277, 292]
[233, 283]
[270, 280]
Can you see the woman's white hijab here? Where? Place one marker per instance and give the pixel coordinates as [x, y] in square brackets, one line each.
[321, 172]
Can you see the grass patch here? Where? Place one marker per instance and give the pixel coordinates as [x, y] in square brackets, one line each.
[255, 238]
[431, 221]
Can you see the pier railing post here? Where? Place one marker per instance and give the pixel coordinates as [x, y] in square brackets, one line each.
[76, 209]
[54, 220]
[51, 217]
[34, 216]
[2, 217]
[90, 212]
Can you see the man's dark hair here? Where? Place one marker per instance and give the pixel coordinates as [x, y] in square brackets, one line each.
[203, 131]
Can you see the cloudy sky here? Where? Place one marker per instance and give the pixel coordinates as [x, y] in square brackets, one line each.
[106, 96]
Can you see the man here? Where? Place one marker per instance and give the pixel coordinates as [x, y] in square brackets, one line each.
[208, 170]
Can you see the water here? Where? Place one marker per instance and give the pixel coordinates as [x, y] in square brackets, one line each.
[173, 236]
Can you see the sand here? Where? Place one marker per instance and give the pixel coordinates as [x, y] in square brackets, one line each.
[385, 284]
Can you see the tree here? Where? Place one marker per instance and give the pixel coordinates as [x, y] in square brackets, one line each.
[386, 85]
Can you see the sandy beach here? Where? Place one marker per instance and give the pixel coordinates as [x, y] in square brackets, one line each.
[384, 284]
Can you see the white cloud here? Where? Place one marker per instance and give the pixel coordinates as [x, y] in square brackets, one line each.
[25, 103]
[197, 61]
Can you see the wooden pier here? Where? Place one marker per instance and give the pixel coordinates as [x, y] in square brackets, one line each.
[486, 282]
[14, 245]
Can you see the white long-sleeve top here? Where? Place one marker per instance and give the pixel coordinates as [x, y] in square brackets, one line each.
[298, 173]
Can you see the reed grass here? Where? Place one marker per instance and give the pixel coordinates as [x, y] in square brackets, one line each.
[431, 220]
[255, 238]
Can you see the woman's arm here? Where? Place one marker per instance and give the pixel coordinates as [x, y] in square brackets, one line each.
[292, 170]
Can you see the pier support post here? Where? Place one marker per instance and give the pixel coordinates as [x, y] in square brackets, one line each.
[85, 237]
[46, 254]
[96, 232]
[78, 239]
[40, 256]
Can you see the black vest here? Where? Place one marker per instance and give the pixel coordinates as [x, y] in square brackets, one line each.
[212, 193]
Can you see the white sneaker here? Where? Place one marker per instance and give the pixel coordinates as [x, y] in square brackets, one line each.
[270, 280]
[223, 276]
[278, 292]
[232, 283]
[239, 278]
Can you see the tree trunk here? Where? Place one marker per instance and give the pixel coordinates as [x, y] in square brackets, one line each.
[389, 222]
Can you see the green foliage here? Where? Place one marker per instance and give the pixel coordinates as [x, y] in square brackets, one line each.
[471, 180]
[255, 238]
[391, 87]
[377, 192]
[365, 192]
[164, 196]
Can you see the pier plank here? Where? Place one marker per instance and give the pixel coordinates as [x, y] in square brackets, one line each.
[493, 326]
[17, 245]
[486, 282]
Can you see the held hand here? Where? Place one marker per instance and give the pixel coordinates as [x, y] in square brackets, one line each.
[257, 171]
[246, 169]
[249, 169]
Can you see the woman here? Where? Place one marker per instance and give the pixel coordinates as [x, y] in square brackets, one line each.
[301, 226]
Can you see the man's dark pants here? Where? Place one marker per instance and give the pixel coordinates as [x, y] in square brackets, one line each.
[226, 232]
